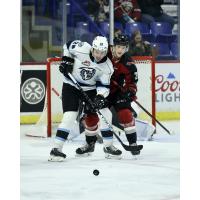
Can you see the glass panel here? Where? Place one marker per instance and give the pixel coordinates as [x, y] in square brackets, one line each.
[84, 18]
[47, 24]
[41, 29]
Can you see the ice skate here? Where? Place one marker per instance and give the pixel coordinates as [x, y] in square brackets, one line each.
[112, 152]
[85, 150]
[134, 153]
[56, 155]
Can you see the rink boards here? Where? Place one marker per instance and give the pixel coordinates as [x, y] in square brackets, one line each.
[167, 82]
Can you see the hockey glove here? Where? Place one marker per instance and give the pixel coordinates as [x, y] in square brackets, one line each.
[130, 92]
[128, 95]
[66, 65]
[99, 102]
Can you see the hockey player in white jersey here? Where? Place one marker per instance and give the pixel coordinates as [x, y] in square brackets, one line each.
[92, 69]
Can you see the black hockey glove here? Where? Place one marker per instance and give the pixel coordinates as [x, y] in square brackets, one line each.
[126, 95]
[99, 102]
[130, 93]
[66, 65]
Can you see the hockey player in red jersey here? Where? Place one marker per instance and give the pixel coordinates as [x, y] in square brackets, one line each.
[123, 89]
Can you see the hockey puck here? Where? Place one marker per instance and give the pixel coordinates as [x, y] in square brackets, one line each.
[96, 172]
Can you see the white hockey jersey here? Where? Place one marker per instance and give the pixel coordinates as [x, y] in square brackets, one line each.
[89, 74]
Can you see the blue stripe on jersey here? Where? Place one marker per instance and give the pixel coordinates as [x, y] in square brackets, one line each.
[84, 84]
[100, 84]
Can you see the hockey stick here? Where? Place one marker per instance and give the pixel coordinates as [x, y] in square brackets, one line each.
[56, 93]
[146, 111]
[126, 147]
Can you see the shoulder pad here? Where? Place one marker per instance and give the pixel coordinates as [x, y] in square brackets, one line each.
[78, 46]
[125, 59]
[129, 63]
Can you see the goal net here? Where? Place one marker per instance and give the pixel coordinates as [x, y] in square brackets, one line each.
[52, 113]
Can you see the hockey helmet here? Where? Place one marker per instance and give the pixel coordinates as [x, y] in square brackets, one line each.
[121, 40]
[100, 43]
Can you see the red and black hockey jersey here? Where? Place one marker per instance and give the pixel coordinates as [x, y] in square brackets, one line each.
[125, 74]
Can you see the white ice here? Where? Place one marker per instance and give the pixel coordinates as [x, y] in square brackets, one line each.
[154, 175]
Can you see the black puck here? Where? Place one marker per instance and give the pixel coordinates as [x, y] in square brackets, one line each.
[96, 172]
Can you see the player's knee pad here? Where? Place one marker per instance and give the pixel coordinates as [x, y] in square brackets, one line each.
[125, 117]
[67, 120]
[91, 123]
[91, 120]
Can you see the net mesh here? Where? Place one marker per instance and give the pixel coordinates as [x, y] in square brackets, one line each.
[144, 85]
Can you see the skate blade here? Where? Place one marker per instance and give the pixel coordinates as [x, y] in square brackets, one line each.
[83, 155]
[135, 157]
[110, 156]
[56, 159]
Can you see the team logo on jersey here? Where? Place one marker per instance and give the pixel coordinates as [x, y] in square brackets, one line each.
[86, 62]
[33, 91]
[87, 73]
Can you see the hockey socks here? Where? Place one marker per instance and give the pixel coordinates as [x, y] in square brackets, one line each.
[131, 137]
[61, 137]
[88, 147]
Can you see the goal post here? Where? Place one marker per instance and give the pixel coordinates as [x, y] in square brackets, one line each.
[149, 61]
[52, 65]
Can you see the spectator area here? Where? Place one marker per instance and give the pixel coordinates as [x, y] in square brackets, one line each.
[45, 18]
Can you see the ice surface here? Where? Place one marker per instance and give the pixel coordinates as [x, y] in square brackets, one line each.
[154, 175]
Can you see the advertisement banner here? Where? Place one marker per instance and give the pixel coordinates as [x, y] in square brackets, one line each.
[167, 87]
[33, 90]
[167, 82]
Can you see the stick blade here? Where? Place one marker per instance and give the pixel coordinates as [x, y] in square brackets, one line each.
[172, 132]
[34, 136]
[133, 148]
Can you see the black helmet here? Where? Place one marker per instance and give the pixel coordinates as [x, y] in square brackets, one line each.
[121, 40]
